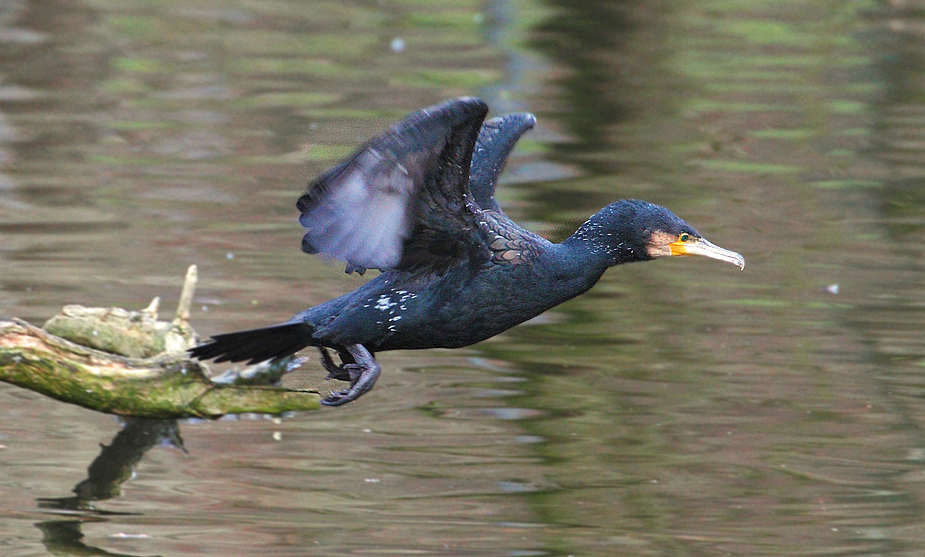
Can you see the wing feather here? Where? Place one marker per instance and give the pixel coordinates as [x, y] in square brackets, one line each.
[364, 210]
[496, 140]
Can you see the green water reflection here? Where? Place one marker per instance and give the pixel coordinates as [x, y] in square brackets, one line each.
[679, 408]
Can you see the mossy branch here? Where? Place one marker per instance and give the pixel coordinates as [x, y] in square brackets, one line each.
[166, 385]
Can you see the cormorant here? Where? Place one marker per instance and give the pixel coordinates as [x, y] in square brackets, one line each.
[417, 203]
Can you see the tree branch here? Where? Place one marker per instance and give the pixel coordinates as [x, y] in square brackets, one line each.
[166, 385]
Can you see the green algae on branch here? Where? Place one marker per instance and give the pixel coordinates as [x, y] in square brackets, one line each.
[79, 364]
[166, 386]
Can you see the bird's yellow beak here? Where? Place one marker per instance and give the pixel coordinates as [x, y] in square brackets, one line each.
[699, 246]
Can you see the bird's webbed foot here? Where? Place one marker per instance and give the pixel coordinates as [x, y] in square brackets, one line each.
[361, 373]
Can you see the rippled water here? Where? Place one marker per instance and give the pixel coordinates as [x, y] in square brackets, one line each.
[679, 408]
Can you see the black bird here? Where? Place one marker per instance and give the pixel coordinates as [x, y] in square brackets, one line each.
[417, 203]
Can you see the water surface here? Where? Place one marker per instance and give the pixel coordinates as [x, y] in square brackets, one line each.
[679, 408]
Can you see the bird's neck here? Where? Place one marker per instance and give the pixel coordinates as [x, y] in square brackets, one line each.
[596, 245]
[581, 260]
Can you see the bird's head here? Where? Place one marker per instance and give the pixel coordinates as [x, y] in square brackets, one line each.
[633, 230]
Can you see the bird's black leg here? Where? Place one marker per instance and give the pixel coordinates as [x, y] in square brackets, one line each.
[334, 371]
[361, 374]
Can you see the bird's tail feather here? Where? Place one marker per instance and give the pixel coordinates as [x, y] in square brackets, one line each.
[256, 345]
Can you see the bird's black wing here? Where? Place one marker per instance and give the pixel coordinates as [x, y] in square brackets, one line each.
[399, 201]
[508, 243]
[496, 140]
[461, 221]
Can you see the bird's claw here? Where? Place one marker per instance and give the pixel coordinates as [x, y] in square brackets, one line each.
[361, 375]
[336, 398]
[365, 379]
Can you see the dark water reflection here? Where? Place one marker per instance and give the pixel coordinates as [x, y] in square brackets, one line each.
[680, 408]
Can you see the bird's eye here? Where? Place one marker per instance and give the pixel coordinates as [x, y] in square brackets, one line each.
[685, 237]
